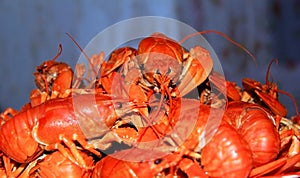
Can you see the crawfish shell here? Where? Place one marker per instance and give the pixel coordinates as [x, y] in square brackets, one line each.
[257, 128]
[227, 154]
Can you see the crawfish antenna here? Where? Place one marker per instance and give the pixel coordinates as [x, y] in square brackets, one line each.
[293, 99]
[268, 71]
[58, 53]
[81, 50]
[281, 91]
[224, 36]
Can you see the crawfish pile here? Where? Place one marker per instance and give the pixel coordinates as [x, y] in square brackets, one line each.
[148, 112]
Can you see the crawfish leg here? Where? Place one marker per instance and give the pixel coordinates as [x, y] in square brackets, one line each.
[14, 170]
[85, 145]
[72, 153]
[25, 173]
[267, 168]
[191, 168]
[8, 113]
[290, 163]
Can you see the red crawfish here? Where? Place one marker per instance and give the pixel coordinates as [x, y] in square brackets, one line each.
[55, 123]
[53, 79]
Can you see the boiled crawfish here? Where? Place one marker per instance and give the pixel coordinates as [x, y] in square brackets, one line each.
[188, 138]
[216, 157]
[173, 151]
[53, 79]
[267, 92]
[161, 64]
[61, 118]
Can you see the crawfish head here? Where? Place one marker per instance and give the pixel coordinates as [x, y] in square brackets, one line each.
[118, 58]
[50, 73]
[53, 76]
[160, 58]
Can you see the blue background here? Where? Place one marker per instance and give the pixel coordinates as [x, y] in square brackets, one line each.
[31, 31]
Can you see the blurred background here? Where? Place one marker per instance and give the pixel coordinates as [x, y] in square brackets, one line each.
[31, 31]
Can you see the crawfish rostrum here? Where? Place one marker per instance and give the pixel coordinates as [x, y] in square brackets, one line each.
[135, 115]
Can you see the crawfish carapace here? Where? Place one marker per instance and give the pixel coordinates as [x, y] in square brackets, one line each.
[166, 63]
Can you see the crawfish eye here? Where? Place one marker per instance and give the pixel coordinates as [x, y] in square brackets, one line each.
[157, 71]
[40, 70]
[157, 161]
[118, 105]
[142, 66]
[169, 70]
